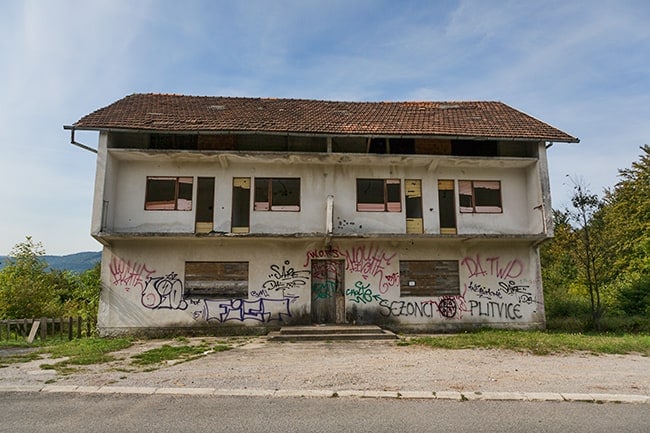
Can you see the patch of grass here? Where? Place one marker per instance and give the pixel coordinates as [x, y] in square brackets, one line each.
[167, 353]
[19, 358]
[84, 351]
[176, 353]
[221, 347]
[540, 343]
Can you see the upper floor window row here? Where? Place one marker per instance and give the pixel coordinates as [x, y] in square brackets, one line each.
[283, 194]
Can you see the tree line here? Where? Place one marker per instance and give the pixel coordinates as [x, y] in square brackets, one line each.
[596, 270]
[29, 289]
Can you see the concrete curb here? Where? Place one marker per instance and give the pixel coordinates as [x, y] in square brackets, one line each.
[324, 393]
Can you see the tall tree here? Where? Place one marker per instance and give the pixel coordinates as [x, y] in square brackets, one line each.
[590, 249]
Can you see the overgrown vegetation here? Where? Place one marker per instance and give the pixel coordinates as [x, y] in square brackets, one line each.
[84, 351]
[596, 271]
[29, 289]
[168, 353]
[539, 343]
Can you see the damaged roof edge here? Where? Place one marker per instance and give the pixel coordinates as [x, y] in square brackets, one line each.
[316, 134]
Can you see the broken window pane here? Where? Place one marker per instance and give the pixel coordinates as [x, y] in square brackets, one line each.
[480, 196]
[378, 195]
[168, 193]
[277, 194]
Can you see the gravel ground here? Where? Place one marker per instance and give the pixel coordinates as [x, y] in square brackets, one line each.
[255, 363]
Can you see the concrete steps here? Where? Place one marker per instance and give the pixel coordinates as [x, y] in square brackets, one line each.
[331, 332]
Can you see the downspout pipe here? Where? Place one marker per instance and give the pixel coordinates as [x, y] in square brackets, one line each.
[76, 143]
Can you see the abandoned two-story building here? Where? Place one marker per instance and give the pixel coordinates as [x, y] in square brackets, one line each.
[243, 212]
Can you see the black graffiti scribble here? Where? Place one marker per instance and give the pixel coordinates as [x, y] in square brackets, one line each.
[285, 278]
[164, 292]
[447, 307]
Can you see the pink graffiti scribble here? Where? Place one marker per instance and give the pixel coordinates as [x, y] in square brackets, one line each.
[391, 280]
[493, 266]
[369, 262]
[129, 274]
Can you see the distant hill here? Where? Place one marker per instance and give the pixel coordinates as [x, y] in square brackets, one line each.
[77, 262]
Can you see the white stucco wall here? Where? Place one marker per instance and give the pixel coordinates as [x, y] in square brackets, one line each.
[142, 284]
[125, 183]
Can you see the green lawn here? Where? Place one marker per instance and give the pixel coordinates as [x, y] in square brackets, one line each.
[538, 342]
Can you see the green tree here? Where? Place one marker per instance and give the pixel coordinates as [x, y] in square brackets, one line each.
[626, 214]
[559, 271]
[591, 247]
[25, 284]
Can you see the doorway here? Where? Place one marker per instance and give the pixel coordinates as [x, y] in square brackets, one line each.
[327, 295]
[204, 205]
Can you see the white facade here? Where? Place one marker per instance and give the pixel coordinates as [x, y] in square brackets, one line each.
[489, 262]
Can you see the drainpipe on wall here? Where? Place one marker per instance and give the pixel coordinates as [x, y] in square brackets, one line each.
[76, 143]
[329, 220]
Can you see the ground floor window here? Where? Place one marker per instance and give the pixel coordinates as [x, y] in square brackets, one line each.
[216, 279]
[429, 278]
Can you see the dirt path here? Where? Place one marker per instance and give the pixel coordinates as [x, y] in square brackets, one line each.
[256, 363]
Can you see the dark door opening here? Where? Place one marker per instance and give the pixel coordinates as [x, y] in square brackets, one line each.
[327, 296]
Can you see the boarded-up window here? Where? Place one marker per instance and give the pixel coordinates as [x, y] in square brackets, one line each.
[168, 193]
[216, 279]
[429, 278]
[277, 194]
[479, 196]
[413, 205]
[379, 195]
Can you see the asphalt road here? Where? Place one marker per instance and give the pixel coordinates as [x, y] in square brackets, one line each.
[88, 413]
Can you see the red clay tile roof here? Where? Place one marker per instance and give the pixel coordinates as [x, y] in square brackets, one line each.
[179, 113]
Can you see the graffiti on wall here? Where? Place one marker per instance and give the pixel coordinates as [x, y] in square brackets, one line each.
[285, 277]
[260, 310]
[129, 274]
[447, 307]
[493, 266]
[494, 282]
[362, 293]
[164, 292]
[494, 288]
[366, 261]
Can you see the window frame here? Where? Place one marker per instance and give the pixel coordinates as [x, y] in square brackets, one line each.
[467, 190]
[389, 203]
[432, 279]
[265, 204]
[179, 201]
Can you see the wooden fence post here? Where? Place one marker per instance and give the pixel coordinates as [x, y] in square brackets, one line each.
[70, 323]
[43, 328]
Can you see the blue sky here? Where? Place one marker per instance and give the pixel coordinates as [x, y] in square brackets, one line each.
[581, 66]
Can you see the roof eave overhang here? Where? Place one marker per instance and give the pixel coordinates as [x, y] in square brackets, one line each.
[319, 134]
